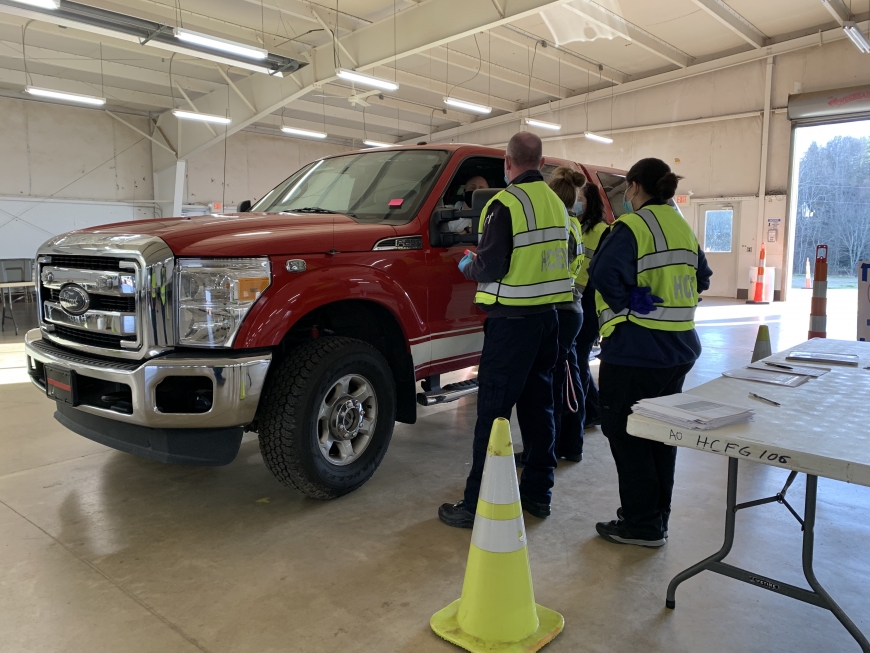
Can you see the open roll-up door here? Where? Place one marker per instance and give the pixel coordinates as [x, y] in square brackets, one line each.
[826, 106]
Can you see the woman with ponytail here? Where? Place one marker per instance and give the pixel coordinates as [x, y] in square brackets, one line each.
[647, 275]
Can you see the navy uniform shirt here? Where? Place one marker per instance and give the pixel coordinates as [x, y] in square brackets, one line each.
[613, 272]
[494, 252]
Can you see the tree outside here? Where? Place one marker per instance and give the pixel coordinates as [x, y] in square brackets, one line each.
[833, 208]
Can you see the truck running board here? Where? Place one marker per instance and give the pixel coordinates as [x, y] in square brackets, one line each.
[450, 392]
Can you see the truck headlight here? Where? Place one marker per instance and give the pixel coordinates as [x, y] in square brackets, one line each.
[214, 295]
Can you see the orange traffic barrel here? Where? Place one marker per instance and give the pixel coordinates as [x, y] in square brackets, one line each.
[819, 306]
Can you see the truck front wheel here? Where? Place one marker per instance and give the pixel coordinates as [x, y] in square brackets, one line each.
[326, 416]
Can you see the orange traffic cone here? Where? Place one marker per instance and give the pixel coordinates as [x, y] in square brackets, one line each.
[758, 295]
[819, 305]
[497, 612]
[807, 283]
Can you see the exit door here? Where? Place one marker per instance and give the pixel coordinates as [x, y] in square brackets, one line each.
[717, 235]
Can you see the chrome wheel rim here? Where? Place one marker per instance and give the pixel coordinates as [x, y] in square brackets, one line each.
[346, 419]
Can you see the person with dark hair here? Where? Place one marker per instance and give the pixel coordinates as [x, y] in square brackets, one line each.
[593, 224]
[568, 405]
[648, 273]
[521, 269]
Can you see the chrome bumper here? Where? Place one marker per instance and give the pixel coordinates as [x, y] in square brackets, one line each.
[238, 380]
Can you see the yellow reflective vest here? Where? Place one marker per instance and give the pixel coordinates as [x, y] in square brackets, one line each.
[575, 248]
[539, 269]
[589, 241]
[667, 262]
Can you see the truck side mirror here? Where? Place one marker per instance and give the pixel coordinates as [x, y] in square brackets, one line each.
[244, 206]
[480, 198]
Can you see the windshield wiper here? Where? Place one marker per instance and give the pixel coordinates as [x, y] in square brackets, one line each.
[317, 209]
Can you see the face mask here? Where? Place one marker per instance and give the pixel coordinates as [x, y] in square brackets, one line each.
[506, 180]
[468, 196]
[578, 208]
[626, 205]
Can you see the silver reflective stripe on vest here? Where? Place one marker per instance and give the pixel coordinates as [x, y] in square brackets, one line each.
[540, 236]
[661, 314]
[588, 253]
[526, 201]
[526, 292]
[655, 228]
[672, 257]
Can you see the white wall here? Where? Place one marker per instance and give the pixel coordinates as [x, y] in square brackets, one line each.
[716, 159]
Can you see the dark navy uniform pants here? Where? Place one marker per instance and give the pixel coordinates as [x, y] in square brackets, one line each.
[516, 368]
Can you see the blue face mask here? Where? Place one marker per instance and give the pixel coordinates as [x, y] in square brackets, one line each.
[626, 205]
[578, 208]
[507, 181]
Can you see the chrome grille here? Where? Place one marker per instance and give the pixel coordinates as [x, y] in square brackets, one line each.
[119, 299]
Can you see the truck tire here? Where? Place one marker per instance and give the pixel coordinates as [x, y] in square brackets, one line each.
[327, 415]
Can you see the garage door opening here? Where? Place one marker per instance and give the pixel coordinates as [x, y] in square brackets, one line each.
[830, 205]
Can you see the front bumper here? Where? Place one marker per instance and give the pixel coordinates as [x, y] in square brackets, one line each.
[237, 379]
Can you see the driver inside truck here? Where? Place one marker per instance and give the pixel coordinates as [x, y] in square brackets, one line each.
[463, 225]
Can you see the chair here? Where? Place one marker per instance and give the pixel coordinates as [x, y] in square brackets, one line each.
[13, 271]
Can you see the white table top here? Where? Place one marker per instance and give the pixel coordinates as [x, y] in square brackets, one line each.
[18, 284]
[822, 427]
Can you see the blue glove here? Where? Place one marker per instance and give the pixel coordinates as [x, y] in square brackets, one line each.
[643, 301]
[465, 261]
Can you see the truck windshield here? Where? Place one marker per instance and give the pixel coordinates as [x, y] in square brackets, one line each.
[374, 186]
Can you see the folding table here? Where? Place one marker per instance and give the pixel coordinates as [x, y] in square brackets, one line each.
[822, 428]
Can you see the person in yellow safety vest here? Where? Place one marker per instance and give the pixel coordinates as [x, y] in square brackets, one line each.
[568, 405]
[593, 223]
[522, 272]
[647, 273]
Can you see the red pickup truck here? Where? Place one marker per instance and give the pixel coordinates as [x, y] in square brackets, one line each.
[310, 319]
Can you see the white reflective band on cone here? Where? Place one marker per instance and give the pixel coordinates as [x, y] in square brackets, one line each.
[818, 323]
[820, 288]
[499, 484]
[498, 536]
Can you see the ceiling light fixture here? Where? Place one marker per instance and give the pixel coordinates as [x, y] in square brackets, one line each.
[45, 4]
[543, 124]
[303, 132]
[596, 137]
[223, 45]
[366, 80]
[377, 144]
[68, 97]
[857, 37]
[468, 106]
[201, 117]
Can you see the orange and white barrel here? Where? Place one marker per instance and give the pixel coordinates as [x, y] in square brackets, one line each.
[807, 280]
[819, 306]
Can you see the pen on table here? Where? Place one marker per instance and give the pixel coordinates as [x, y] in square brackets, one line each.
[764, 399]
[779, 365]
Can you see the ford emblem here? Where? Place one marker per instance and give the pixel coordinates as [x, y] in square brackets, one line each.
[74, 299]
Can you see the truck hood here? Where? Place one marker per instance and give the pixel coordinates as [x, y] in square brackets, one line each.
[256, 234]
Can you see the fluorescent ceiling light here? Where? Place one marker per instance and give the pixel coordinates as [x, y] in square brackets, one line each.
[366, 80]
[68, 97]
[202, 117]
[45, 4]
[303, 132]
[468, 106]
[377, 144]
[596, 137]
[857, 37]
[543, 124]
[223, 45]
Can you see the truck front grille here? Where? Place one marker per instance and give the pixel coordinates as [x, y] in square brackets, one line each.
[92, 338]
[105, 302]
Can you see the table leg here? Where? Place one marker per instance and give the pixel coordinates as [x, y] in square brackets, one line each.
[730, 516]
[809, 540]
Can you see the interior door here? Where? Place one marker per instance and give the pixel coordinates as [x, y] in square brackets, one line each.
[717, 231]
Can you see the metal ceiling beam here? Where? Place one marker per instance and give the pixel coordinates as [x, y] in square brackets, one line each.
[607, 19]
[500, 73]
[439, 89]
[733, 21]
[407, 106]
[838, 10]
[313, 107]
[510, 34]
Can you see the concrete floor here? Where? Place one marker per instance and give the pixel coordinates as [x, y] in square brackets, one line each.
[102, 551]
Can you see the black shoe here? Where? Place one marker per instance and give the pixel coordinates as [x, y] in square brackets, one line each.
[620, 515]
[572, 458]
[518, 459]
[592, 423]
[618, 533]
[539, 510]
[456, 515]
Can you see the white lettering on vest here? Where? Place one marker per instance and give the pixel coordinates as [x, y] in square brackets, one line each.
[684, 286]
[554, 259]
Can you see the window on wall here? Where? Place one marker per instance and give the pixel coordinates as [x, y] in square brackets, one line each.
[718, 228]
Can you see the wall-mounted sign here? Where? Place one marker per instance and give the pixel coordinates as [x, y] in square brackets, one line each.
[681, 200]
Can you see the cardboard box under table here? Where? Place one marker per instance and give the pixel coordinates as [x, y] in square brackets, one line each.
[820, 429]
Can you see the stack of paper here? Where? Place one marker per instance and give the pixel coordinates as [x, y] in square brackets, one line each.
[692, 412]
[767, 376]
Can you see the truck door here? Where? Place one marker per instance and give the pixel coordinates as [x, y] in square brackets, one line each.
[456, 323]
